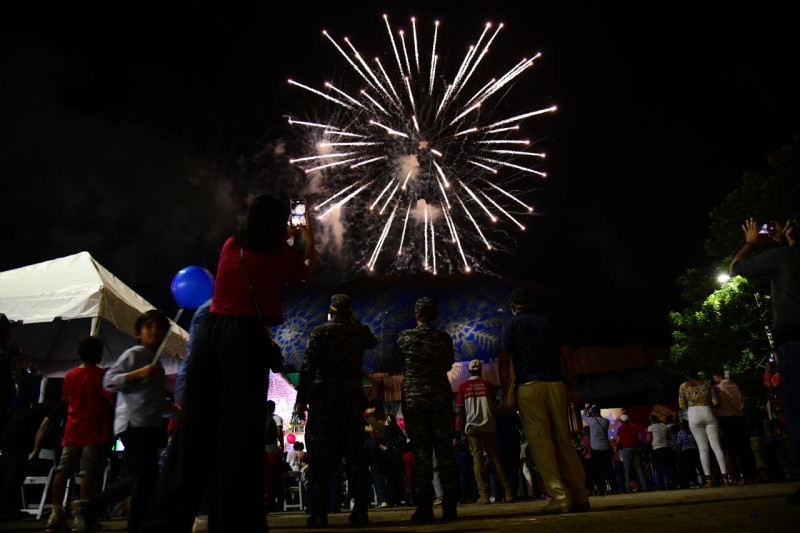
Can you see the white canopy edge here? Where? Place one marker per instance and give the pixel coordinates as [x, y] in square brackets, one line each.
[77, 286]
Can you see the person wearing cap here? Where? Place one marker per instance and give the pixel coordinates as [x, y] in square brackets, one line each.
[331, 390]
[427, 354]
[528, 339]
[629, 438]
[475, 407]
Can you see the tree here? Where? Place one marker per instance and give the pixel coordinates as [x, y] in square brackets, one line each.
[726, 331]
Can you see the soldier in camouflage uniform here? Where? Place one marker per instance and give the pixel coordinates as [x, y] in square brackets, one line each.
[330, 381]
[427, 355]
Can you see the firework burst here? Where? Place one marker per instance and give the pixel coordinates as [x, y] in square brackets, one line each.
[424, 161]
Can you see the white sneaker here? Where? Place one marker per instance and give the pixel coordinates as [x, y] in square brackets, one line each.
[79, 522]
[57, 521]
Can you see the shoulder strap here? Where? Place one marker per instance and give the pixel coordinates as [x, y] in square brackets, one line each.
[250, 286]
[604, 427]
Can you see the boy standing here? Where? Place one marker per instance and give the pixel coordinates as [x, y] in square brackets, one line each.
[138, 417]
[87, 431]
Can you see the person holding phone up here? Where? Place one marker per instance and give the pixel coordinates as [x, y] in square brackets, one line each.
[219, 445]
[782, 265]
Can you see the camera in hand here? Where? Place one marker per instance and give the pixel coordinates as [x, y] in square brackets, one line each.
[297, 217]
[768, 228]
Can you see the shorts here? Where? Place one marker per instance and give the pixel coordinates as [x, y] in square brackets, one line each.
[92, 459]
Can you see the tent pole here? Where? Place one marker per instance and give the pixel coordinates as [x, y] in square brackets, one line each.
[164, 342]
[95, 327]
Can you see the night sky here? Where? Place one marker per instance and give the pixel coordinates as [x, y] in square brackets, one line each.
[137, 131]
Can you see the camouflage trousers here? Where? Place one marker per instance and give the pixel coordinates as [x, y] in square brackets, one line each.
[430, 425]
[335, 430]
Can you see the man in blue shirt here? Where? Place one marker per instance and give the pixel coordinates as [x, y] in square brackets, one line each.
[529, 339]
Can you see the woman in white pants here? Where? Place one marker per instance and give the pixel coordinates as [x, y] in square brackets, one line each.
[698, 396]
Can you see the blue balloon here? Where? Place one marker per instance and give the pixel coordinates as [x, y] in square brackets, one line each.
[192, 286]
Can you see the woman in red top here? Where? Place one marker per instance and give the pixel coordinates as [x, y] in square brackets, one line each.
[219, 446]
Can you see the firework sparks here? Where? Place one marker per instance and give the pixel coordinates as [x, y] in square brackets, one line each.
[405, 225]
[404, 131]
[346, 199]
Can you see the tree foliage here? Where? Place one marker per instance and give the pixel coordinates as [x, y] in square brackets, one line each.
[725, 331]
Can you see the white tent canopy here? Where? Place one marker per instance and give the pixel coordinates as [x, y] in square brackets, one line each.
[61, 300]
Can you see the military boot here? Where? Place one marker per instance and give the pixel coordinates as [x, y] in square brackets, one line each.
[449, 511]
[424, 512]
[358, 516]
[317, 519]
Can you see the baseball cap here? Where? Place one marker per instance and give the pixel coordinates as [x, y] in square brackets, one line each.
[475, 365]
[625, 418]
[341, 303]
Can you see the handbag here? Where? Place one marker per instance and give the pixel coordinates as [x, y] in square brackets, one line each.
[274, 355]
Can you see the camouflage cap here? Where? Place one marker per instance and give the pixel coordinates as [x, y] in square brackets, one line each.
[426, 308]
[341, 304]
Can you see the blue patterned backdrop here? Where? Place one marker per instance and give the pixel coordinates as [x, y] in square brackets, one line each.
[471, 309]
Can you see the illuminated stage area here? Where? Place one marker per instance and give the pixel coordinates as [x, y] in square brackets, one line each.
[471, 309]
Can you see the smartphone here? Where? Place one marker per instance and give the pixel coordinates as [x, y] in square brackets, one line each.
[768, 228]
[297, 216]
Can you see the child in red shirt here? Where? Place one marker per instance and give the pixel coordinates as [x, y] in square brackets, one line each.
[88, 429]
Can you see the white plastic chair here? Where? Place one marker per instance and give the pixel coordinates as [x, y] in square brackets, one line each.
[293, 484]
[38, 508]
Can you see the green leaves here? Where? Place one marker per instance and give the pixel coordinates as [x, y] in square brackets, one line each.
[725, 331]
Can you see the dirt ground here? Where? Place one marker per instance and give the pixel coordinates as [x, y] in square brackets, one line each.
[760, 508]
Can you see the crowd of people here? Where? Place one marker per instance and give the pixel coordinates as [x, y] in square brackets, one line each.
[723, 439]
[225, 456]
